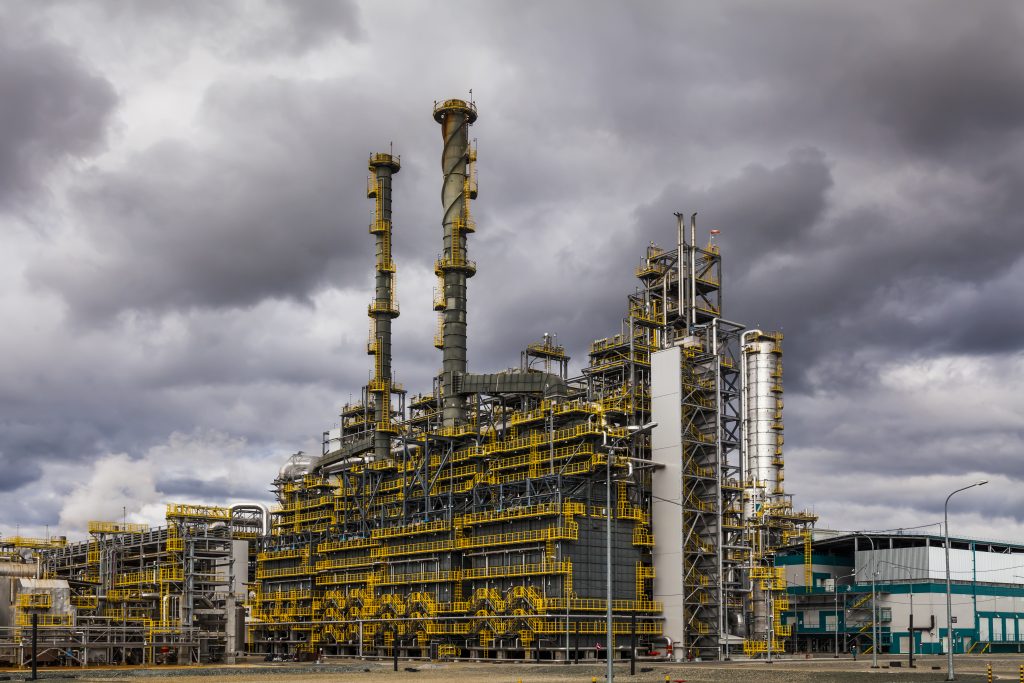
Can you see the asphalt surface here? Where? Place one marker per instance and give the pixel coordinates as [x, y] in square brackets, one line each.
[828, 670]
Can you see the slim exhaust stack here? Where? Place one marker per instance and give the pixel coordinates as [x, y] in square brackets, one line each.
[384, 308]
[453, 268]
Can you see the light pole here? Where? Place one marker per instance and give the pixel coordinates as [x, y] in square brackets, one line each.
[910, 629]
[634, 431]
[949, 589]
[874, 604]
[835, 591]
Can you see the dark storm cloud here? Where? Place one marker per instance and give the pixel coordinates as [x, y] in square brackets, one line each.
[52, 108]
[763, 209]
[886, 275]
[269, 208]
[952, 82]
[834, 83]
[862, 161]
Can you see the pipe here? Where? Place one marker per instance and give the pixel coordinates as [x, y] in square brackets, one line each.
[722, 597]
[668, 645]
[384, 309]
[35, 647]
[265, 519]
[261, 509]
[683, 311]
[18, 569]
[693, 270]
[455, 117]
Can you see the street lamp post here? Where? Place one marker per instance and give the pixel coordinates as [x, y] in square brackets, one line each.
[608, 538]
[634, 431]
[835, 591]
[910, 631]
[874, 605]
[949, 589]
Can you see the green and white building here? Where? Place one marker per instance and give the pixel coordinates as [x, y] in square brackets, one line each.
[836, 611]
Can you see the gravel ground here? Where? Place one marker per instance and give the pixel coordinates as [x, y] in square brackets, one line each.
[1005, 668]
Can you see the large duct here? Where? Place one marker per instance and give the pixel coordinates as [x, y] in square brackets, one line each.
[453, 268]
[19, 569]
[384, 308]
[259, 509]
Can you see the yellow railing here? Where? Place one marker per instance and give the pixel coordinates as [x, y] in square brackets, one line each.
[178, 510]
[34, 600]
[97, 527]
[35, 543]
[44, 620]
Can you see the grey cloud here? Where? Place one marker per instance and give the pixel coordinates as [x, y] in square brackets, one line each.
[939, 80]
[762, 209]
[953, 81]
[194, 488]
[862, 162]
[270, 209]
[53, 108]
[17, 472]
[240, 30]
[889, 275]
[313, 22]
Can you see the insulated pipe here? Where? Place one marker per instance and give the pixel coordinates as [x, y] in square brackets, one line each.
[263, 511]
[455, 117]
[680, 256]
[383, 309]
[19, 569]
[693, 271]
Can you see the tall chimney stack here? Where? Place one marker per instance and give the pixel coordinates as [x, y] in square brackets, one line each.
[453, 268]
[384, 308]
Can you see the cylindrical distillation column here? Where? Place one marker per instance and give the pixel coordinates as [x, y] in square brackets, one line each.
[763, 437]
[384, 307]
[763, 470]
[453, 268]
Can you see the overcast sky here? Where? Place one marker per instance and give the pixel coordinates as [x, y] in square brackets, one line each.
[186, 264]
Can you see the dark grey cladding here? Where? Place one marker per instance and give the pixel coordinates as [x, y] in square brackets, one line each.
[494, 384]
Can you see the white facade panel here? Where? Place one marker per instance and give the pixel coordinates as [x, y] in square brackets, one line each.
[667, 490]
[999, 567]
[961, 564]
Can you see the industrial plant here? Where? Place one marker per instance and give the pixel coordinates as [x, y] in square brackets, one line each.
[513, 514]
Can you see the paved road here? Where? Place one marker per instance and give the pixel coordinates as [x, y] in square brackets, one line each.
[825, 670]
